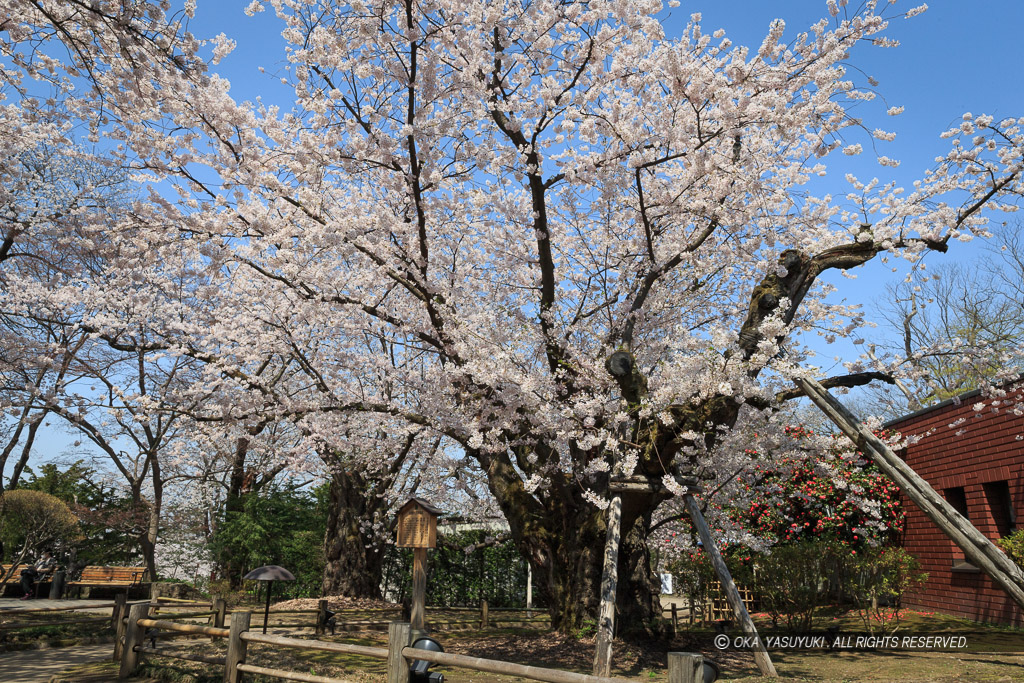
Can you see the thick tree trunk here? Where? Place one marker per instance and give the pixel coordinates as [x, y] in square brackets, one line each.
[563, 539]
[354, 561]
[235, 504]
[149, 537]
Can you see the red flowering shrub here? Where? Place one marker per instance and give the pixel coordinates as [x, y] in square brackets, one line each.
[836, 497]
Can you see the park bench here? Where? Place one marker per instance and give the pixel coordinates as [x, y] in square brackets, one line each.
[15, 578]
[103, 577]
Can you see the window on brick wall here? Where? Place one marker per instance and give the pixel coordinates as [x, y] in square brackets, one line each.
[1000, 505]
[957, 497]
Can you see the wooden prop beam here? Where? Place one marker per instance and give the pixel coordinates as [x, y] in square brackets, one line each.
[609, 584]
[764, 662]
[978, 549]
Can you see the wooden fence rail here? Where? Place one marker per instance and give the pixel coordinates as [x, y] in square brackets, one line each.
[70, 608]
[132, 635]
[323, 645]
[202, 659]
[494, 666]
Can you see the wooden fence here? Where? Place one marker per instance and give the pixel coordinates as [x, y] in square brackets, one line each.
[130, 647]
[118, 606]
[710, 606]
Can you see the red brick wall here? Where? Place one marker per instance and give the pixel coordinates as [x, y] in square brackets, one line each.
[984, 448]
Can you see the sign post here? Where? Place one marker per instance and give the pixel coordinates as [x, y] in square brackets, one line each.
[417, 529]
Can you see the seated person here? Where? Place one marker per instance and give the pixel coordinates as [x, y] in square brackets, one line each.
[43, 566]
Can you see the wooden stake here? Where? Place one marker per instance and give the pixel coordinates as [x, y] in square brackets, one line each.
[321, 617]
[976, 546]
[675, 619]
[119, 618]
[609, 583]
[220, 610]
[236, 646]
[419, 586]
[764, 662]
[484, 618]
[133, 638]
[399, 635]
[685, 667]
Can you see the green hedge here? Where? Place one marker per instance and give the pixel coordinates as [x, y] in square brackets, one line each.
[457, 578]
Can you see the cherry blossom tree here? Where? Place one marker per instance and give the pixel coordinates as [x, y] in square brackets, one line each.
[594, 248]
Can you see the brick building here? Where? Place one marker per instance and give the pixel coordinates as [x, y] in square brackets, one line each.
[978, 466]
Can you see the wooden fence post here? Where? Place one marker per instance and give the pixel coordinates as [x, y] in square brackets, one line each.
[399, 634]
[321, 618]
[133, 636]
[485, 621]
[220, 611]
[675, 619]
[236, 647]
[119, 609]
[684, 667]
[120, 613]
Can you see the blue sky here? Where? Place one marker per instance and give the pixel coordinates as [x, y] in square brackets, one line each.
[956, 57]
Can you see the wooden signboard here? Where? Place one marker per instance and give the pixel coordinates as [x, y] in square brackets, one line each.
[417, 529]
[417, 524]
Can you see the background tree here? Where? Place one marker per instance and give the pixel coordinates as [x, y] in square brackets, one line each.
[54, 194]
[30, 522]
[109, 523]
[960, 327]
[278, 526]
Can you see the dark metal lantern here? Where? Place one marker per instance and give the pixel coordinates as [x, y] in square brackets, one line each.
[418, 670]
[269, 573]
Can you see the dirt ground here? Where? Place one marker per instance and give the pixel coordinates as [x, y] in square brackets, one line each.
[632, 661]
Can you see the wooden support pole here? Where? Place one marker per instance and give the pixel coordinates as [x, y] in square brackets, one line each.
[484, 618]
[237, 646]
[978, 549]
[133, 637]
[321, 617]
[609, 583]
[685, 667]
[764, 662]
[529, 589]
[220, 610]
[675, 619]
[399, 635]
[419, 586]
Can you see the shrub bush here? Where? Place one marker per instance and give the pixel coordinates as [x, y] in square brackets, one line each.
[882, 576]
[33, 521]
[1013, 546]
[793, 581]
